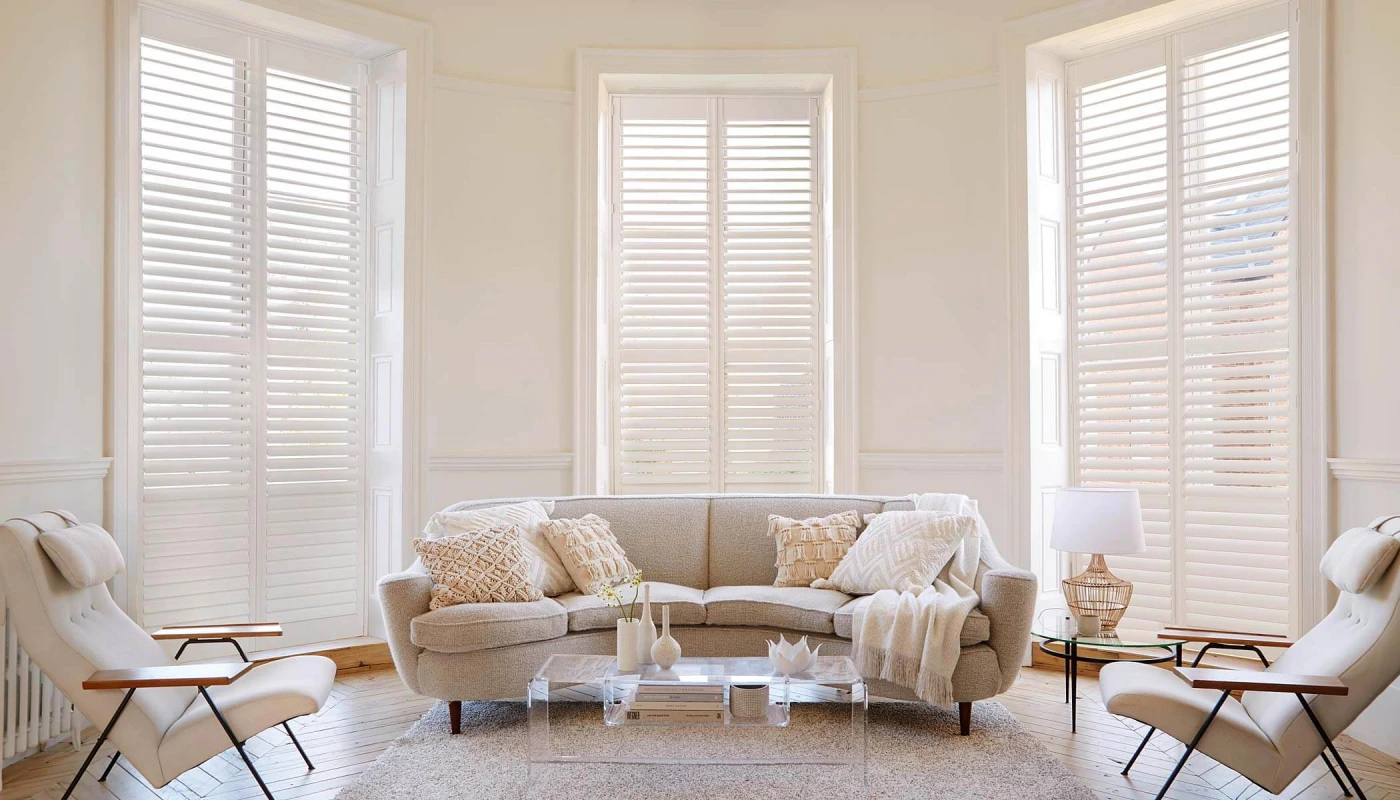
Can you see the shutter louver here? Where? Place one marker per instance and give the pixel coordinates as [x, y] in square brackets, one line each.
[664, 298]
[770, 283]
[196, 342]
[715, 304]
[1121, 313]
[1237, 371]
[313, 413]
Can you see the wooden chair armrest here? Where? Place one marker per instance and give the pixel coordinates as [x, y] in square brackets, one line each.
[1227, 679]
[178, 675]
[1209, 636]
[240, 630]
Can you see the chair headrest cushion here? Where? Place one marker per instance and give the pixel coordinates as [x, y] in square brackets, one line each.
[84, 553]
[1358, 558]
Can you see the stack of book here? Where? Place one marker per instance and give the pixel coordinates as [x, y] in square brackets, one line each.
[671, 702]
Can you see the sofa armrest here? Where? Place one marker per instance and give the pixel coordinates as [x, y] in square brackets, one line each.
[403, 596]
[1008, 600]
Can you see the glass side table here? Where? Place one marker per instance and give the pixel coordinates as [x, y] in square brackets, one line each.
[1065, 633]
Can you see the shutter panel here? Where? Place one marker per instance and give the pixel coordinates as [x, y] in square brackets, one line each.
[314, 399]
[196, 343]
[1119, 214]
[663, 298]
[770, 329]
[1237, 374]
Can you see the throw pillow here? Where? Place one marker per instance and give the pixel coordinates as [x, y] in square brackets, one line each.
[546, 570]
[589, 551]
[488, 566]
[810, 549]
[899, 550]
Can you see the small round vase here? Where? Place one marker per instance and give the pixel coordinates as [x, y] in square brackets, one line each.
[666, 651]
[627, 644]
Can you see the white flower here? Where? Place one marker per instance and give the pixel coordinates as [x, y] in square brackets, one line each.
[791, 657]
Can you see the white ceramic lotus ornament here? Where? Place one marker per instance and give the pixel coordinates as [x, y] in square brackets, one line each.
[790, 658]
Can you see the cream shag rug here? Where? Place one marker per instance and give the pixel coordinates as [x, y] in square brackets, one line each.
[914, 752]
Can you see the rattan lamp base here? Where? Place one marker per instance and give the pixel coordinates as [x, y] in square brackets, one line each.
[1098, 592]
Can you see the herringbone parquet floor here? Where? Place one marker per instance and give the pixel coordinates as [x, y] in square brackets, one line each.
[368, 710]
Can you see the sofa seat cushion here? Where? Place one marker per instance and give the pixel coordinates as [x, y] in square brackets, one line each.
[467, 627]
[976, 629]
[589, 612]
[796, 608]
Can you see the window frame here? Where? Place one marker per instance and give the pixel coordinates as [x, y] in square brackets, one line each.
[830, 74]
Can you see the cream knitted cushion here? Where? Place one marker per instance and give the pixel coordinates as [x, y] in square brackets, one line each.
[809, 549]
[486, 566]
[899, 550]
[546, 570]
[589, 551]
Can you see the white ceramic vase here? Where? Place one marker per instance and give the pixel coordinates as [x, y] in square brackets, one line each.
[666, 651]
[646, 634]
[627, 644]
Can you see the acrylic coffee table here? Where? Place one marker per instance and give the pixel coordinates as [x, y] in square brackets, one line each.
[780, 737]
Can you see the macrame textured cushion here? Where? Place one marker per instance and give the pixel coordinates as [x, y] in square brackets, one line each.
[589, 551]
[84, 553]
[487, 566]
[546, 570]
[810, 549]
[899, 550]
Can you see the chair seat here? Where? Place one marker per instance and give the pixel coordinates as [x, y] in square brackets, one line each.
[469, 627]
[269, 694]
[1159, 698]
[589, 612]
[976, 629]
[794, 608]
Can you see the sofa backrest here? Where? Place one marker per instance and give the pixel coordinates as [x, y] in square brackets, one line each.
[702, 541]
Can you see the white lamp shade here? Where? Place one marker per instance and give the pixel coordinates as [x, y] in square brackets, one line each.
[1098, 521]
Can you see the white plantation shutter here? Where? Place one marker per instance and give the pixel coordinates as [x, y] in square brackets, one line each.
[1181, 160]
[314, 401]
[716, 348]
[197, 344]
[251, 318]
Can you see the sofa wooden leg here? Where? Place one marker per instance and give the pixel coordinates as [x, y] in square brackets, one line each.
[454, 710]
[964, 718]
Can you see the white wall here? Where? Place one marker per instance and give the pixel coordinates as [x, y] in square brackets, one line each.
[931, 258]
[1366, 283]
[52, 226]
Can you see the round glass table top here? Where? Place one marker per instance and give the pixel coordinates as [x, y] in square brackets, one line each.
[1057, 629]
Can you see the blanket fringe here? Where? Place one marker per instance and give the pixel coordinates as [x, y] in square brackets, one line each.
[904, 671]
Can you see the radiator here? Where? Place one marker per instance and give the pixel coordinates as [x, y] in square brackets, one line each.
[34, 714]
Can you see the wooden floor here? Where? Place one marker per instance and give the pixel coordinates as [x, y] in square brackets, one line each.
[368, 710]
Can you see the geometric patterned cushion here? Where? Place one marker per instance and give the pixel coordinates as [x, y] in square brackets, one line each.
[589, 551]
[899, 550]
[809, 549]
[488, 566]
[546, 570]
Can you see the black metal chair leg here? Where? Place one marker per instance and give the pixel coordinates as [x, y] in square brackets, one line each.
[1356, 787]
[181, 651]
[1138, 751]
[97, 745]
[110, 764]
[1200, 654]
[1335, 775]
[1191, 748]
[237, 744]
[239, 648]
[304, 756]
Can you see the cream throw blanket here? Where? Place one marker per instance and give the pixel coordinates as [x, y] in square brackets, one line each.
[912, 638]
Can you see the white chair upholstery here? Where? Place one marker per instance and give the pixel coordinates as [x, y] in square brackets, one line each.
[73, 632]
[1267, 737]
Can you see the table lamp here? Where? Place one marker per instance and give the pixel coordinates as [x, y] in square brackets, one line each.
[1099, 522]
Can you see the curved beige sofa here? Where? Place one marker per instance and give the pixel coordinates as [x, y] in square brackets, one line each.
[710, 558]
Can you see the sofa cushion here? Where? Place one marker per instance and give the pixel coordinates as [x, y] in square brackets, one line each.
[741, 551]
[666, 537]
[479, 626]
[588, 612]
[796, 608]
[976, 629]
